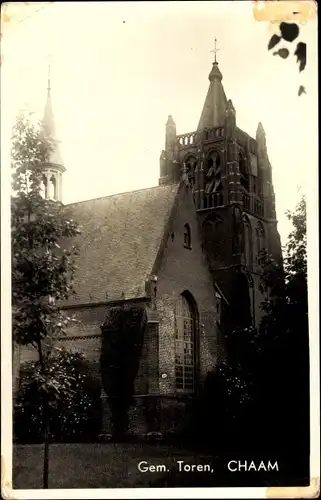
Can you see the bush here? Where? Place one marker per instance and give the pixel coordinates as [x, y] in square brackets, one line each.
[74, 418]
[220, 414]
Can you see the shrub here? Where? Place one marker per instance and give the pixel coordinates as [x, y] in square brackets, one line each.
[76, 417]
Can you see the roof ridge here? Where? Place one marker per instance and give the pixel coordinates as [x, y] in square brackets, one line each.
[117, 194]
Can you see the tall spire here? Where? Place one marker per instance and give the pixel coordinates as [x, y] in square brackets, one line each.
[49, 122]
[54, 169]
[213, 114]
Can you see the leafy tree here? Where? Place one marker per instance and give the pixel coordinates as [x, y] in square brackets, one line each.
[287, 282]
[285, 333]
[42, 264]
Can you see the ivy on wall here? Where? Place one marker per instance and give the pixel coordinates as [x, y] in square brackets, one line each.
[123, 335]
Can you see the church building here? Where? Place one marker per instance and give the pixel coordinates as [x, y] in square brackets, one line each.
[189, 251]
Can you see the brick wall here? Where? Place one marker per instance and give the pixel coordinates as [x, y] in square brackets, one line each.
[165, 414]
[182, 270]
[84, 336]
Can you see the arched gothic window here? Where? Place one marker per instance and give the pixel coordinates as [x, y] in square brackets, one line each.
[244, 175]
[185, 344]
[187, 236]
[247, 241]
[260, 243]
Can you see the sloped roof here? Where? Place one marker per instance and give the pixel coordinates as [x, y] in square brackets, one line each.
[120, 238]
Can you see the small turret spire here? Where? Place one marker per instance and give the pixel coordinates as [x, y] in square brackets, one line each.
[48, 120]
[54, 169]
[260, 129]
[170, 121]
[170, 134]
[261, 137]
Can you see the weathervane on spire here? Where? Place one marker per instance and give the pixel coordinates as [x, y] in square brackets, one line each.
[215, 50]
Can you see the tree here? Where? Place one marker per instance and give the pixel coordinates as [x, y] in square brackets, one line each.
[42, 264]
[285, 336]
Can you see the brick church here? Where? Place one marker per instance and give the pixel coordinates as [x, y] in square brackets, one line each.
[186, 251]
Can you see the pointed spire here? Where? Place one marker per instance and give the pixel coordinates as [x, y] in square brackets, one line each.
[213, 114]
[260, 130]
[49, 122]
[230, 120]
[170, 121]
[170, 133]
[229, 106]
[261, 137]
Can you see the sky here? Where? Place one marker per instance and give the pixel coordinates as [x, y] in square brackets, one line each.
[118, 69]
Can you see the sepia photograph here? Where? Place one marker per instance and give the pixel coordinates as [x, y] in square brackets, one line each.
[159, 250]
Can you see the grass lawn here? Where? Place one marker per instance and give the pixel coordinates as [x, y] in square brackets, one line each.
[100, 465]
[115, 465]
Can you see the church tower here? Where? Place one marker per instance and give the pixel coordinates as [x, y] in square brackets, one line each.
[231, 179]
[54, 169]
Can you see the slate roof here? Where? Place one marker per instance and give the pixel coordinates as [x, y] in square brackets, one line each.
[119, 241]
